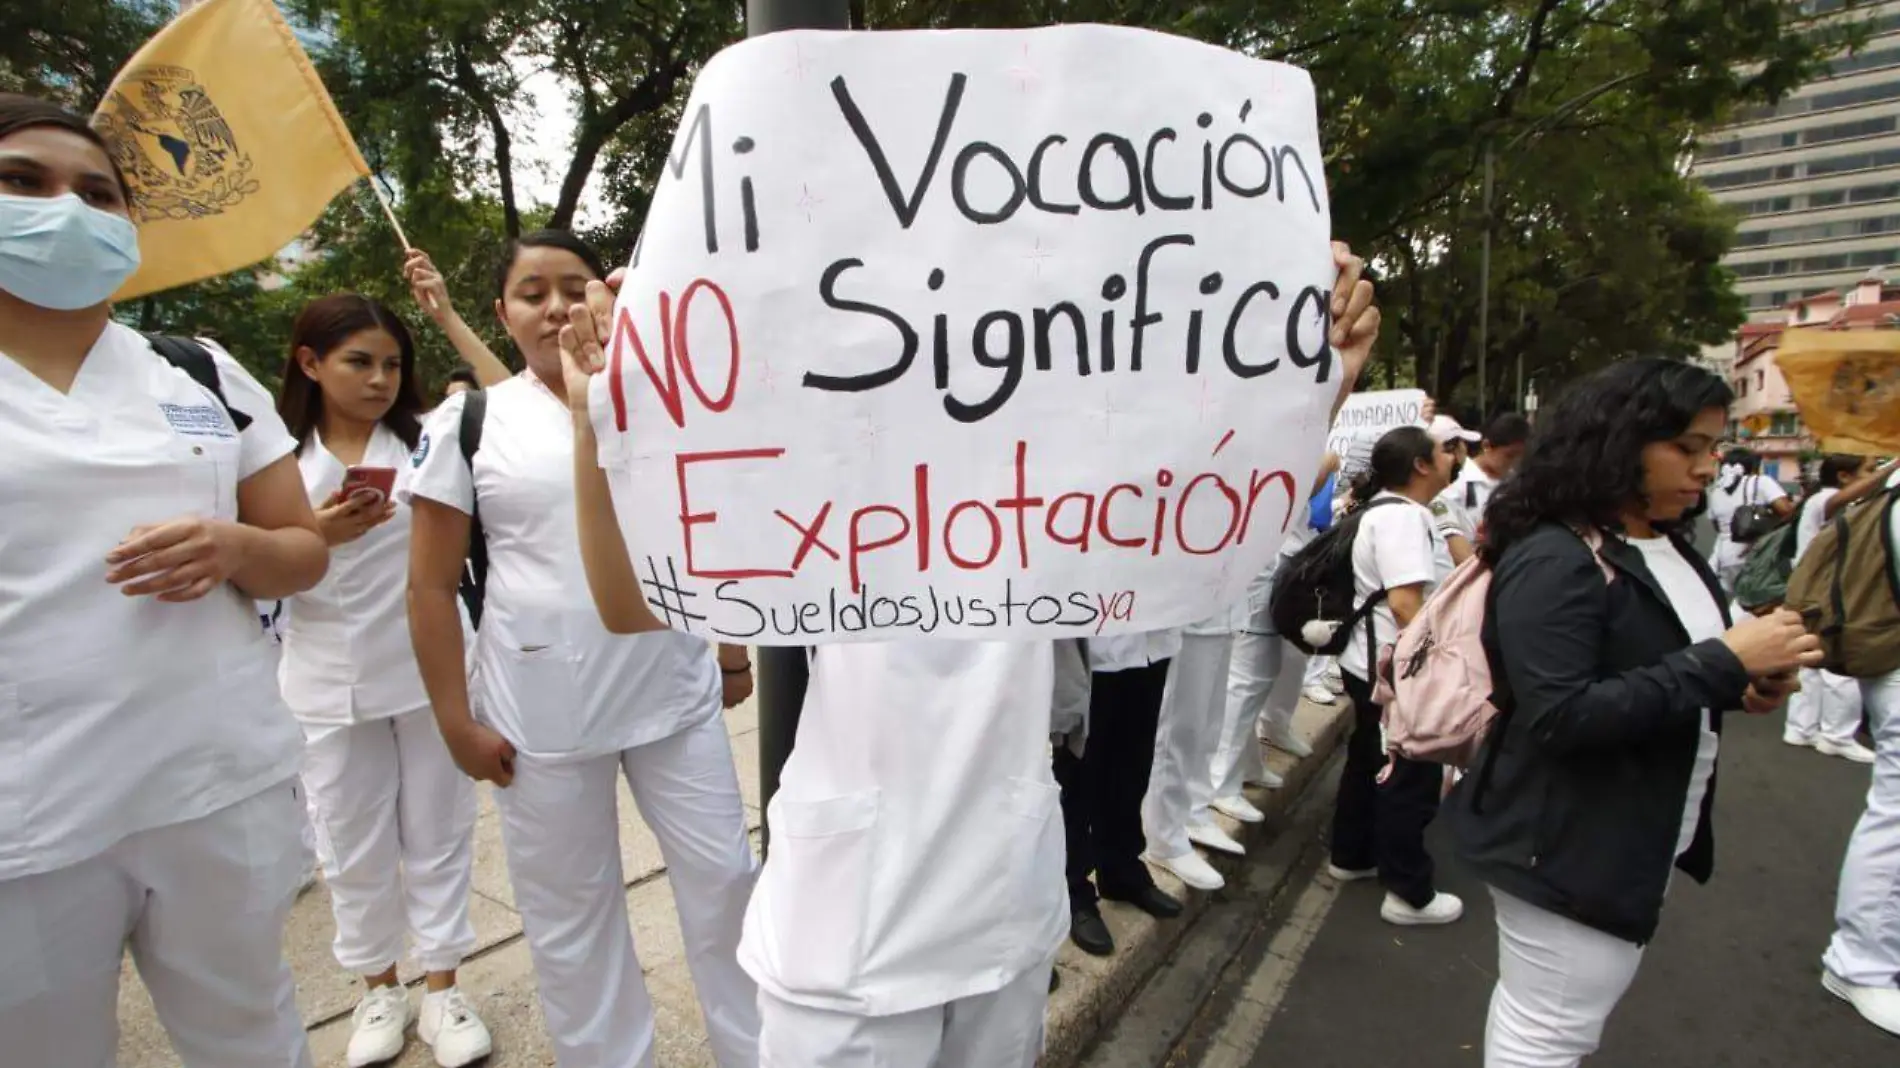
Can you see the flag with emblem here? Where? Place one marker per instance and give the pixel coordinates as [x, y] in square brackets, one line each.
[230, 145]
[1847, 385]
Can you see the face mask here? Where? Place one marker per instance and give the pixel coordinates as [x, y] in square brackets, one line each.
[60, 253]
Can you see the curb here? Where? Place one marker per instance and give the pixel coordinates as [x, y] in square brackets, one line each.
[1096, 991]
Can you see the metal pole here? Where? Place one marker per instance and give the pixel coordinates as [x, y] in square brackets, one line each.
[782, 671]
[1484, 290]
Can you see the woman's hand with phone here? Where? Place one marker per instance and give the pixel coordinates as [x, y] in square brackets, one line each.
[345, 519]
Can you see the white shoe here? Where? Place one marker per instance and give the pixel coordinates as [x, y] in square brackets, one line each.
[1335, 680]
[1239, 808]
[1853, 751]
[1877, 1005]
[1267, 778]
[450, 1027]
[1799, 741]
[1320, 695]
[1288, 742]
[377, 1026]
[1445, 908]
[1350, 875]
[1212, 837]
[1192, 870]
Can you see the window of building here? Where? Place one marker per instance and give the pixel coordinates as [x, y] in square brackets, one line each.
[1843, 98]
[1787, 235]
[1815, 264]
[1785, 424]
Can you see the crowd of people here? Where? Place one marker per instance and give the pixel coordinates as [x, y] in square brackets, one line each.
[456, 604]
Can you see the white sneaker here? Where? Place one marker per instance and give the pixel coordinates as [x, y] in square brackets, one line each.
[449, 1025]
[1239, 808]
[1799, 741]
[1212, 837]
[1288, 742]
[1320, 695]
[1878, 1005]
[1335, 679]
[1267, 778]
[1192, 870]
[1350, 875]
[1444, 908]
[1853, 751]
[377, 1026]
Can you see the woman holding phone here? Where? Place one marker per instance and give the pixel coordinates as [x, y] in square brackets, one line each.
[396, 818]
[145, 795]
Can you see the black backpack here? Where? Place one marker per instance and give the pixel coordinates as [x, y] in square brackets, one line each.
[196, 360]
[475, 570]
[1317, 584]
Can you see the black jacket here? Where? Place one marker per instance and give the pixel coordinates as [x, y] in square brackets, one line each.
[1590, 763]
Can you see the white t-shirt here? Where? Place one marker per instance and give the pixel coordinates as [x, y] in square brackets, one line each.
[1460, 508]
[347, 654]
[1813, 520]
[121, 714]
[917, 842]
[1701, 616]
[551, 678]
[1397, 545]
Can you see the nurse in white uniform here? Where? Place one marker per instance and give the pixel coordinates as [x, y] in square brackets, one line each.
[913, 902]
[566, 707]
[395, 815]
[145, 795]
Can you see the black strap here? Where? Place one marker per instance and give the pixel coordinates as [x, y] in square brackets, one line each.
[475, 570]
[196, 360]
[1471, 495]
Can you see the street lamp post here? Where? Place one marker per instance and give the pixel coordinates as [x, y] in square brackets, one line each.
[782, 670]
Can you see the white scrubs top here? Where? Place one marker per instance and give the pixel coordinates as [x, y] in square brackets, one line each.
[121, 714]
[1125, 652]
[347, 654]
[917, 848]
[549, 676]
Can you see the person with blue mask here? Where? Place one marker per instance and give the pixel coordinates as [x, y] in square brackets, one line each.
[147, 798]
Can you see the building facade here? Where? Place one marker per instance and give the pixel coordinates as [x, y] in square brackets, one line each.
[1816, 177]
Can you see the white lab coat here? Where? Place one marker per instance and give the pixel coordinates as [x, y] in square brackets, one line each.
[147, 754]
[917, 855]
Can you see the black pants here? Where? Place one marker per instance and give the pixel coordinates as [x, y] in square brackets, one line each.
[1382, 824]
[1103, 788]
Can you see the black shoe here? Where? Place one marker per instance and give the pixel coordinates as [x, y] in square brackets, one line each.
[1150, 900]
[1090, 934]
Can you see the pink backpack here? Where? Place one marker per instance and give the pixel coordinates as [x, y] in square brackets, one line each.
[1434, 683]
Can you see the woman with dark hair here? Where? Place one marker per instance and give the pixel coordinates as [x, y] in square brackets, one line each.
[395, 817]
[565, 707]
[147, 797]
[1613, 666]
[1398, 557]
[1740, 484]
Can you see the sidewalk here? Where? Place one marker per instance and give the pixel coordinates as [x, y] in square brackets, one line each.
[500, 978]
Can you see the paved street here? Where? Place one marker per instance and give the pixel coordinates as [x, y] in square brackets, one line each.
[1732, 979]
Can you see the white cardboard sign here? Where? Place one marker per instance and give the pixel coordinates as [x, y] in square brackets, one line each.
[1365, 418]
[976, 334]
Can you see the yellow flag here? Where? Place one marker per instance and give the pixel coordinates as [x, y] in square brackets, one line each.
[1847, 385]
[228, 141]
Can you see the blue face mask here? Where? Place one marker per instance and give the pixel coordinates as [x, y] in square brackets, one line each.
[63, 254]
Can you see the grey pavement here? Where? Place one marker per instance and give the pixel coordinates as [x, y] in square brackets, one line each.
[1731, 980]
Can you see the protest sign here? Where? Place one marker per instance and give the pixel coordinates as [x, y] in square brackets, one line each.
[1365, 418]
[1847, 386]
[978, 334]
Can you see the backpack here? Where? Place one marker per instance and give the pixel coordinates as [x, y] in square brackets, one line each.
[1435, 683]
[1762, 583]
[1312, 600]
[1751, 521]
[1846, 591]
[196, 360]
[474, 584]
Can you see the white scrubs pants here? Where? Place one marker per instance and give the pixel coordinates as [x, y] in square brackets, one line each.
[1003, 1029]
[1826, 707]
[561, 831]
[1264, 683]
[202, 906]
[1866, 946]
[396, 831]
[1178, 788]
[1557, 983]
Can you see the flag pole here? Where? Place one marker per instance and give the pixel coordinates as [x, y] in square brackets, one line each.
[389, 212]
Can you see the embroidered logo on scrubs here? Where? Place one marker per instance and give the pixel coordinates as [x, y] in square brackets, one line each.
[1439, 509]
[198, 421]
[421, 453]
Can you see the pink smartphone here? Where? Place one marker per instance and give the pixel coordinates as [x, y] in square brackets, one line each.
[373, 484]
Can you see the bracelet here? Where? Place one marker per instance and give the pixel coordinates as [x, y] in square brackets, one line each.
[740, 670]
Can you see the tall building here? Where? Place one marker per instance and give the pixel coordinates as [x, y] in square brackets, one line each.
[1817, 176]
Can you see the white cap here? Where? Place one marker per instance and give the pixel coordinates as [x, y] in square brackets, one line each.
[1444, 428]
